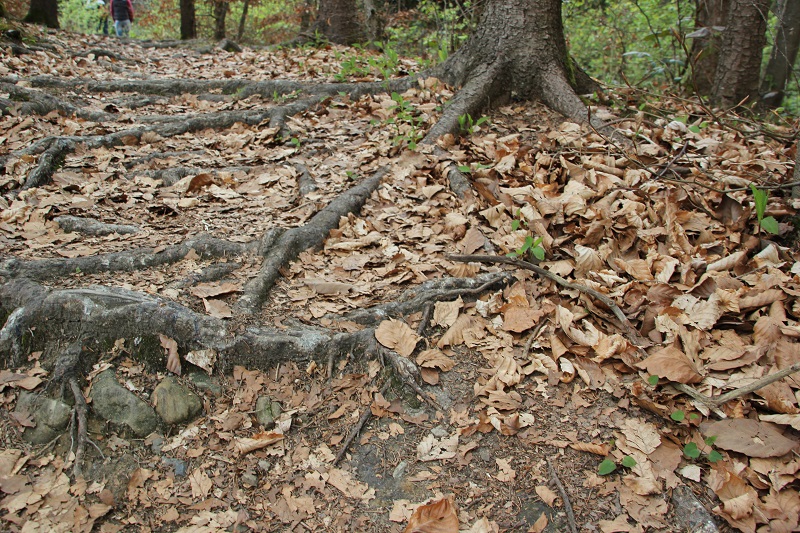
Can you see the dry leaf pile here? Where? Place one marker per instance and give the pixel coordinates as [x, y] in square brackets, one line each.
[664, 227]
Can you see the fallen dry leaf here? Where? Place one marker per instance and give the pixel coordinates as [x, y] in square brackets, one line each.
[750, 437]
[397, 336]
[436, 517]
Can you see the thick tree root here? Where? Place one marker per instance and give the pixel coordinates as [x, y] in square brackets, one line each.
[289, 245]
[128, 261]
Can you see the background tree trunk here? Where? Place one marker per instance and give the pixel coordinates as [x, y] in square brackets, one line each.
[220, 14]
[784, 53]
[44, 12]
[743, 40]
[338, 21]
[709, 19]
[242, 20]
[188, 20]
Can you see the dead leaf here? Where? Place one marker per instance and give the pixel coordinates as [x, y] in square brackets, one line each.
[750, 437]
[436, 517]
[672, 364]
[173, 359]
[546, 494]
[217, 308]
[397, 336]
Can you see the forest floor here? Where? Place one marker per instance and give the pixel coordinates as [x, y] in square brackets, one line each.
[158, 214]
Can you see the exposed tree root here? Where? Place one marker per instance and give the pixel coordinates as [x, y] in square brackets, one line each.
[436, 290]
[90, 226]
[126, 261]
[633, 336]
[289, 245]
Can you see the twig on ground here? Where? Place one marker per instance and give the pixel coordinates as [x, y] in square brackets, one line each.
[736, 393]
[630, 332]
[80, 411]
[423, 322]
[533, 336]
[567, 505]
[359, 425]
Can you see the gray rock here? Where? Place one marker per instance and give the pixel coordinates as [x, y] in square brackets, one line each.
[249, 479]
[113, 402]
[51, 417]
[174, 403]
[267, 411]
[690, 513]
[204, 382]
[179, 466]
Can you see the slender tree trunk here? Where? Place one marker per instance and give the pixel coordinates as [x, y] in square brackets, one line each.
[44, 12]
[242, 20]
[220, 13]
[188, 20]
[784, 53]
[743, 41]
[338, 21]
[709, 21]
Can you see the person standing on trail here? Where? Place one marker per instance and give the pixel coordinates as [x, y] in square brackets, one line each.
[122, 13]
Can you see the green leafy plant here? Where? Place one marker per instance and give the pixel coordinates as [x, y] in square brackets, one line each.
[760, 197]
[531, 245]
[693, 451]
[467, 125]
[608, 466]
[406, 122]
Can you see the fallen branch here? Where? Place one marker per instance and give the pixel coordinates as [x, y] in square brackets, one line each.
[630, 332]
[736, 393]
[567, 505]
[366, 415]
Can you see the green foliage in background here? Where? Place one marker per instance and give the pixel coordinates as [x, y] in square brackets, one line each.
[630, 42]
[434, 31]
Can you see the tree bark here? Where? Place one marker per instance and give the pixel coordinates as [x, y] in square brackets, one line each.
[242, 20]
[709, 20]
[220, 14]
[338, 21]
[44, 12]
[188, 20]
[784, 53]
[743, 40]
[518, 48]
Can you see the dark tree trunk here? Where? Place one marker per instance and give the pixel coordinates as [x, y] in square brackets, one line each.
[784, 53]
[743, 40]
[220, 14]
[709, 20]
[518, 48]
[44, 12]
[338, 21]
[242, 20]
[188, 21]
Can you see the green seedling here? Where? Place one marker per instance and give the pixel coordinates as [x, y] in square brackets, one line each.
[531, 245]
[693, 451]
[760, 197]
[467, 125]
[608, 466]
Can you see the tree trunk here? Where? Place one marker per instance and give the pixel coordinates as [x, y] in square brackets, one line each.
[220, 13]
[188, 21]
[784, 53]
[338, 21]
[44, 12]
[743, 41]
[242, 20]
[518, 48]
[709, 21]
